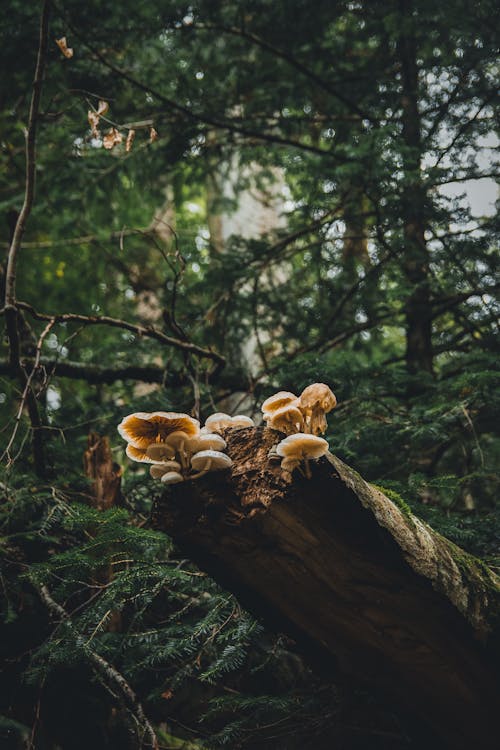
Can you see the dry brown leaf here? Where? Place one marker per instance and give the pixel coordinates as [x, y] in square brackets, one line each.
[63, 46]
[167, 694]
[153, 135]
[130, 140]
[111, 138]
[102, 107]
[93, 119]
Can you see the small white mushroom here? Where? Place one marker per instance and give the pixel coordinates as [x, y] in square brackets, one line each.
[172, 477]
[217, 422]
[160, 452]
[240, 421]
[288, 419]
[302, 447]
[207, 441]
[158, 470]
[277, 401]
[205, 461]
[180, 442]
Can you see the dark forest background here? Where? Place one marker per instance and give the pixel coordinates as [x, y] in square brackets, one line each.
[309, 196]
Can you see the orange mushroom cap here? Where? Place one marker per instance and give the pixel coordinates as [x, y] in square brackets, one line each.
[138, 454]
[143, 428]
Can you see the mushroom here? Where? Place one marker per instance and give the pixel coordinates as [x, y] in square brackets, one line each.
[217, 422]
[207, 441]
[288, 419]
[240, 421]
[315, 401]
[280, 399]
[158, 470]
[138, 454]
[205, 461]
[180, 441]
[172, 477]
[143, 428]
[287, 464]
[302, 447]
[159, 452]
[220, 421]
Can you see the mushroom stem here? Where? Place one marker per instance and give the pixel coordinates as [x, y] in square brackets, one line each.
[307, 468]
[318, 421]
[273, 454]
[203, 471]
[183, 455]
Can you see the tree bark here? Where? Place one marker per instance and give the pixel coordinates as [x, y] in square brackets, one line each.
[360, 583]
[105, 474]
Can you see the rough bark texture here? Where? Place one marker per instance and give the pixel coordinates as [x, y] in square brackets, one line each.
[99, 466]
[360, 583]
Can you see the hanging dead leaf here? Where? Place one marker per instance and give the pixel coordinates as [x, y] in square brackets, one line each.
[153, 135]
[102, 107]
[63, 46]
[130, 140]
[93, 119]
[167, 694]
[111, 138]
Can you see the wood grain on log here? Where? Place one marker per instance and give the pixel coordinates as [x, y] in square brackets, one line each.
[361, 584]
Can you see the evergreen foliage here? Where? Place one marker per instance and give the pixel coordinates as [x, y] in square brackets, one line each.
[402, 326]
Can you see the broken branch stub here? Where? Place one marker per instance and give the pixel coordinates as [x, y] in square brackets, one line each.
[361, 584]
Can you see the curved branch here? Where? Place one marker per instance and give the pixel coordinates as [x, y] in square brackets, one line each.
[148, 331]
[281, 54]
[11, 308]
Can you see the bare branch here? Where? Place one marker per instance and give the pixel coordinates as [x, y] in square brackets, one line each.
[87, 239]
[148, 331]
[25, 395]
[11, 309]
[10, 278]
[287, 57]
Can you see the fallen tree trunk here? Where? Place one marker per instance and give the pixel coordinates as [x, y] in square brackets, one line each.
[360, 583]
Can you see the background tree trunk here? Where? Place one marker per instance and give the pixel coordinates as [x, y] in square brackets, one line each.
[360, 583]
[419, 355]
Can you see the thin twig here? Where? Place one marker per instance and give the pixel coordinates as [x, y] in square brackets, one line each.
[10, 276]
[27, 390]
[107, 671]
[148, 331]
[11, 309]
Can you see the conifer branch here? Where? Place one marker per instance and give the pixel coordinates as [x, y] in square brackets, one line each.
[107, 671]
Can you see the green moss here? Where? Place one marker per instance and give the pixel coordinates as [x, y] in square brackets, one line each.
[473, 567]
[396, 499]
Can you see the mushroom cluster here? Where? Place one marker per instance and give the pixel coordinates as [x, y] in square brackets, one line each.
[178, 448]
[175, 445]
[302, 418]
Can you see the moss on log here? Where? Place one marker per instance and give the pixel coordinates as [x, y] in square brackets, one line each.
[360, 583]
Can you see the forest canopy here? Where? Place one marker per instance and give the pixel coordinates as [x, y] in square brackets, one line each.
[203, 204]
